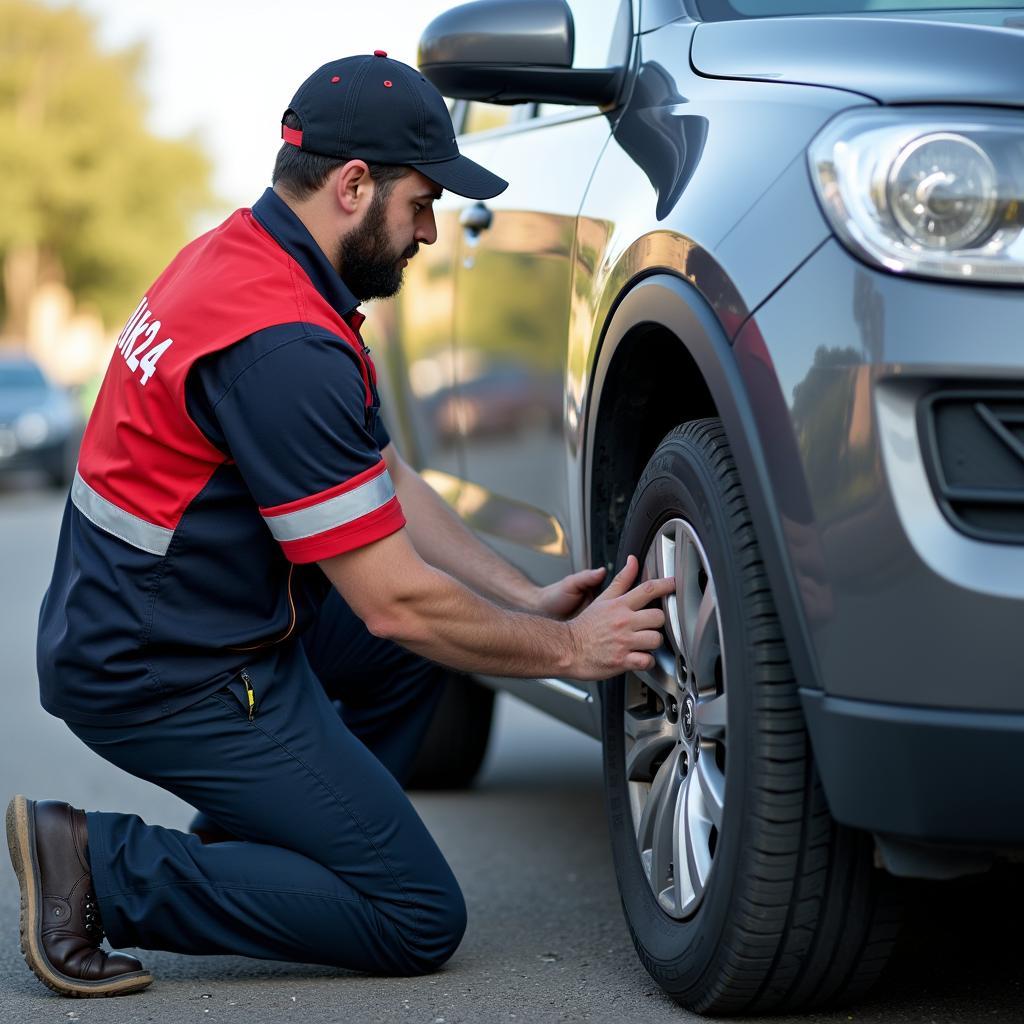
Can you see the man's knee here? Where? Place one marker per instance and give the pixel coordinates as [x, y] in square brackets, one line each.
[435, 933]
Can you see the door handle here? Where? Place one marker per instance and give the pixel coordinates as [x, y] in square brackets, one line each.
[476, 218]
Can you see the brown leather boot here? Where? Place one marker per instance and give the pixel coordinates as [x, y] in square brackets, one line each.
[61, 932]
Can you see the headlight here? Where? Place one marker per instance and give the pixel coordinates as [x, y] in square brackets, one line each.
[937, 191]
[31, 429]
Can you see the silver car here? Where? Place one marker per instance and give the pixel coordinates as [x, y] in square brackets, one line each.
[751, 309]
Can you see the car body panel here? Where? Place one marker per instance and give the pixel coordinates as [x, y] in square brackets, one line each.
[575, 704]
[851, 350]
[413, 345]
[513, 295]
[899, 59]
[681, 181]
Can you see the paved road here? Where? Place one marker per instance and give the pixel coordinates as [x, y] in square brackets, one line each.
[546, 940]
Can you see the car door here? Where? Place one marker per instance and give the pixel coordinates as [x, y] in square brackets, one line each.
[512, 300]
[412, 340]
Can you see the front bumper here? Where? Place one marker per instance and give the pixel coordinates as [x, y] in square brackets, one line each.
[921, 773]
[915, 628]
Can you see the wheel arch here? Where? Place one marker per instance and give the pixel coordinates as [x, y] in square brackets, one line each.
[663, 320]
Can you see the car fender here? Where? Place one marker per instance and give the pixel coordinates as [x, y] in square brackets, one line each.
[748, 415]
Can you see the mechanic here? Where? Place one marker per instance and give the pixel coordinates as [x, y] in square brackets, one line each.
[244, 552]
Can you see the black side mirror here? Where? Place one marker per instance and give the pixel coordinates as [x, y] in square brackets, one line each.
[511, 51]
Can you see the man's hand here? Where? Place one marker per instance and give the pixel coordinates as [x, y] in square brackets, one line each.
[615, 633]
[568, 596]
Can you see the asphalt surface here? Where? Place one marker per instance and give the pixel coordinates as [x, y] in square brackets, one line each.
[546, 939]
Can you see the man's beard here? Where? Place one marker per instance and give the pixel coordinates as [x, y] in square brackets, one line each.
[369, 266]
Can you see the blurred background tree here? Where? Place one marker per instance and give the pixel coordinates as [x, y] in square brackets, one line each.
[89, 197]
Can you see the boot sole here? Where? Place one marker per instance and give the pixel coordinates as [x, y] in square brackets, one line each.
[22, 847]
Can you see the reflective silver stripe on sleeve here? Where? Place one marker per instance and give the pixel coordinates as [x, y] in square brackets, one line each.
[308, 522]
[123, 525]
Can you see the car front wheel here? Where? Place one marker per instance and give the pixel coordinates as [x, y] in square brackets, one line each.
[740, 891]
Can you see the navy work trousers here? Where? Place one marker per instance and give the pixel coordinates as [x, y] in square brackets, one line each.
[333, 866]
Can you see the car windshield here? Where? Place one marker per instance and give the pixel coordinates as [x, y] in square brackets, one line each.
[728, 10]
[21, 376]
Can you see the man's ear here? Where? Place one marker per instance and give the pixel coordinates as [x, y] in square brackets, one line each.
[353, 185]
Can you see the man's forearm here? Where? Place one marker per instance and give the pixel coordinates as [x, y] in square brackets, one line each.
[459, 628]
[400, 596]
[443, 540]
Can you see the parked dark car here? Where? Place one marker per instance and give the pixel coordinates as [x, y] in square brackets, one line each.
[772, 251]
[40, 423]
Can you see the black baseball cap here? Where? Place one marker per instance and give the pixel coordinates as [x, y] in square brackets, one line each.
[381, 110]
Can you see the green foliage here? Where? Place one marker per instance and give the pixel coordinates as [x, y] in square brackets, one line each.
[81, 177]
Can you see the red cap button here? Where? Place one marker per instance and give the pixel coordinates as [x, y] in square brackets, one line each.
[380, 53]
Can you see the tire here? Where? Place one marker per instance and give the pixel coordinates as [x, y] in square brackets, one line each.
[456, 740]
[790, 913]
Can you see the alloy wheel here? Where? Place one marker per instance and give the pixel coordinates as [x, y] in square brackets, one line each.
[675, 728]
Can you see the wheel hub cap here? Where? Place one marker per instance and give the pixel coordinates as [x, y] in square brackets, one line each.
[688, 718]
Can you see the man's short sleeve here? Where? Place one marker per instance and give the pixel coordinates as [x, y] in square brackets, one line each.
[380, 434]
[294, 422]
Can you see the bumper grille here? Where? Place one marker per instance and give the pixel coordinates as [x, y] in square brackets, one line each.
[974, 448]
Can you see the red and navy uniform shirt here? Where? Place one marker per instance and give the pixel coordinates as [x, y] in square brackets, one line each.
[236, 441]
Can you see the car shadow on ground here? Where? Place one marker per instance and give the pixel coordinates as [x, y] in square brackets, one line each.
[960, 951]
